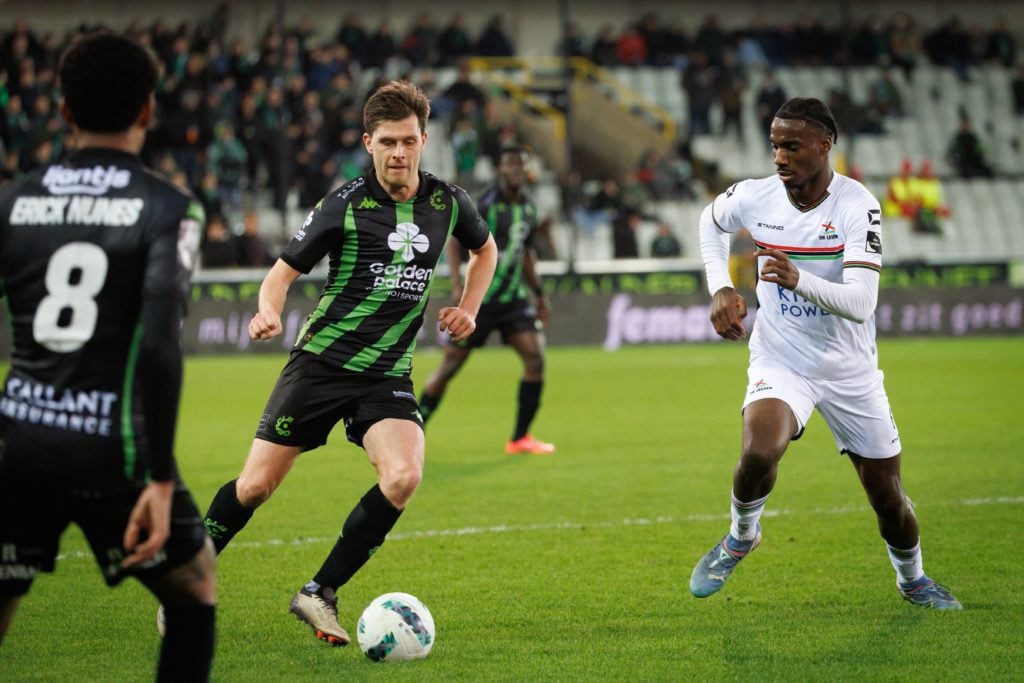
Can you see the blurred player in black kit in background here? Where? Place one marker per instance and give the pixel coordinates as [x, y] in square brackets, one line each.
[96, 253]
[512, 218]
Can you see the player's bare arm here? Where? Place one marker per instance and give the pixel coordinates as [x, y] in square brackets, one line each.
[151, 514]
[778, 269]
[728, 309]
[533, 281]
[266, 324]
[460, 321]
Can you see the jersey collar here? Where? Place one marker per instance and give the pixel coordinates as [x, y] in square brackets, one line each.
[377, 191]
[91, 154]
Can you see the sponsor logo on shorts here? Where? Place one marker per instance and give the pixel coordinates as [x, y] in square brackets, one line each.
[759, 386]
[283, 425]
[404, 394]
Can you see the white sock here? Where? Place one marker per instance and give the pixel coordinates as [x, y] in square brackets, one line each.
[312, 586]
[907, 563]
[744, 518]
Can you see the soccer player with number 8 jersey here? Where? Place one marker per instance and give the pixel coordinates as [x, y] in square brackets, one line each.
[96, 253]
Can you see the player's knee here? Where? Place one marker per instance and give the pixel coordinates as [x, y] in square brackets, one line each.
[533, 363]
[193, 583]
[254, 491]
[760, 456]
[399, 483]
[891, 505]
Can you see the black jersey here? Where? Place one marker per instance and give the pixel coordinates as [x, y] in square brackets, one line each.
[95, 257]
[382, 255]
[513, 225]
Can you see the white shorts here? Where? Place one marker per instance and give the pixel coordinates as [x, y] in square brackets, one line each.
[856, 410]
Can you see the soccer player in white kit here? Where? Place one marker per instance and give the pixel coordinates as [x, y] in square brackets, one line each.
[819, 239]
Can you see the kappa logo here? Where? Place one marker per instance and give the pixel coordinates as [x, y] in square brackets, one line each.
[408, 239]
[368, 203]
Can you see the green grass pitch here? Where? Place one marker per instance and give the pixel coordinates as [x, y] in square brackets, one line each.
[575, 566]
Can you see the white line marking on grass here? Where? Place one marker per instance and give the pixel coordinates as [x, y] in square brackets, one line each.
[608, 524]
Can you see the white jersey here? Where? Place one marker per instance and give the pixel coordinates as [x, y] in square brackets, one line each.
[841, 230]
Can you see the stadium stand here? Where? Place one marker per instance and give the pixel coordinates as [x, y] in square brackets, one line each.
[288, 60]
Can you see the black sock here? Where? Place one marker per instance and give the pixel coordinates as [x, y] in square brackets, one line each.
[364, 531]
[428, 404]
[187, 650]
[226, 516]
[529, 402]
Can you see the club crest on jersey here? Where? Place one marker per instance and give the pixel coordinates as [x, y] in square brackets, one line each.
[828, 232]
[408, 239]
[436, 200]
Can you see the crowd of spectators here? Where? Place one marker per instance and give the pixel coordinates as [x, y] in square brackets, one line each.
[896, 40]
[716, 63]
[236, 122]
[280, 120]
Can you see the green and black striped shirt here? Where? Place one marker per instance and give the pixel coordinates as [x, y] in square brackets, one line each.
[382, 256]
[513, 225]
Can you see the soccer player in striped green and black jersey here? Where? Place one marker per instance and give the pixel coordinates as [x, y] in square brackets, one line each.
[96, 252]
[514, 305]
[383, 234]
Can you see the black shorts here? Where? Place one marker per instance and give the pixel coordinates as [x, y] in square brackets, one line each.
[517, 316]
[36, 508]
[312, 395]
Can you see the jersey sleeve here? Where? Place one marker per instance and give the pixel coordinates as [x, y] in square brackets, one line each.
[727, 208]
[530, 212]
[170, 260]
[323, 229]
[863, 238]
[470, 228]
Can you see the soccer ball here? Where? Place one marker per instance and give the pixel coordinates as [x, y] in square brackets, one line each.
[396, 627]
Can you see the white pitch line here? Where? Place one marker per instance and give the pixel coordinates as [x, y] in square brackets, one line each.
[607, 524]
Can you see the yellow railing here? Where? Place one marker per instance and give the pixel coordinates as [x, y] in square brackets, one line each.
[516, 75]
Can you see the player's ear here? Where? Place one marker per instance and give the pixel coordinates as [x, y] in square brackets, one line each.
[65, 112]
[146, 114]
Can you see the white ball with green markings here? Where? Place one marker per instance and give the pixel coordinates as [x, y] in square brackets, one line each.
[396, 627]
